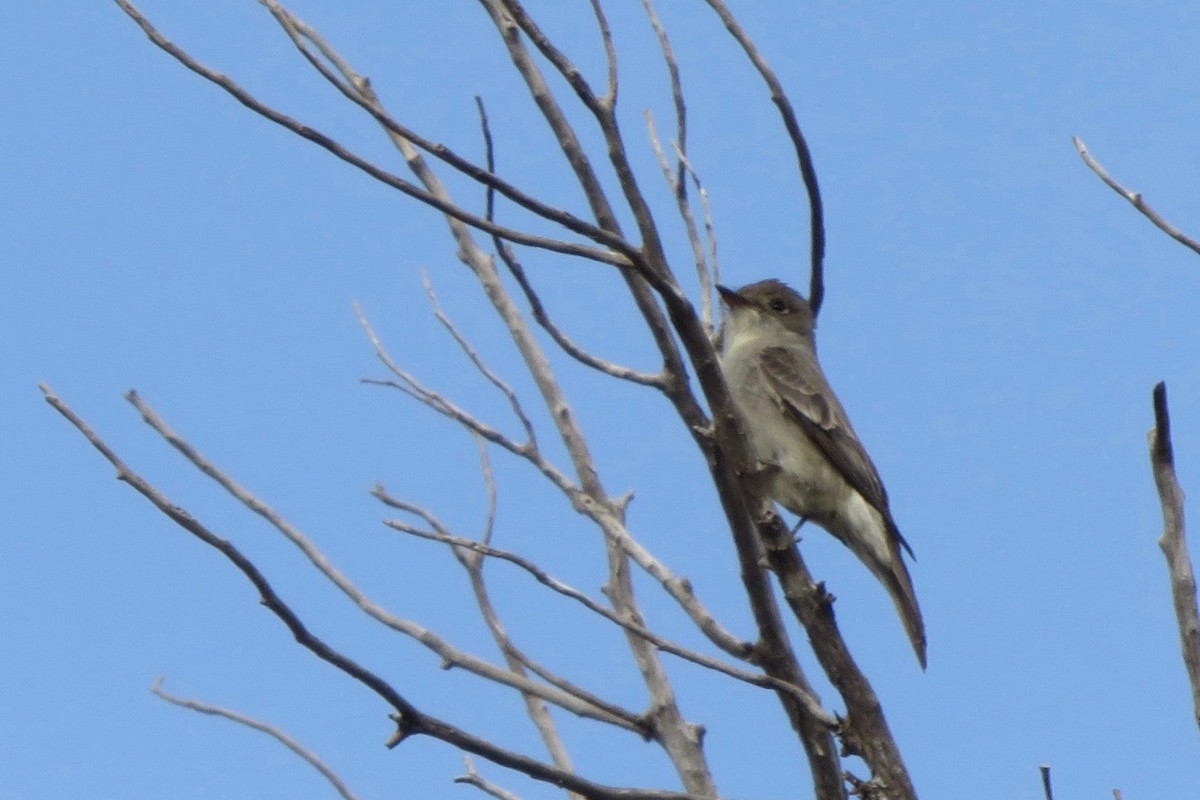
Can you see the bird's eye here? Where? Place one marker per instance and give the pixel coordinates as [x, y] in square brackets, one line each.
[778, 305]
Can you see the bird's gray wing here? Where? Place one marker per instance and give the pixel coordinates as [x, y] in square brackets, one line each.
[806, 396]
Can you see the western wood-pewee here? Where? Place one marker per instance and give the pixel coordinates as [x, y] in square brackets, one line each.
[810, 458]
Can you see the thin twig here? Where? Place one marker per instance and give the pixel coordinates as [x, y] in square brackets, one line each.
[287, 741]
[610, 54]
[513, 401]
[675, 180]
[710, 230]
[518, 662]
[676, 82]
[1135, 198]
[1173, 542]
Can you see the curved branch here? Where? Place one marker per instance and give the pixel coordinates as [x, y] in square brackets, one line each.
[509, 257]
[816, 291]
[278, 735]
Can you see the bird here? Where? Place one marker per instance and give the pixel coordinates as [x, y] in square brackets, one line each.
[809, 457]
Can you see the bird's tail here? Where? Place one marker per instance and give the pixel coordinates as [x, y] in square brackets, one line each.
[894, 576]
[878, 546]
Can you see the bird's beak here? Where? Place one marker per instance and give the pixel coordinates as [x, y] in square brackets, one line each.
[732, 298]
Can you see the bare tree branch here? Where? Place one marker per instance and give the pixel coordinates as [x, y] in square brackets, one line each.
[287, 741]
[494, 379]
[408, 718]
[509, 257]
[357, 89]
[518, 661]
[438, 533]
[380, 174]
[449, 654]
[865, 732]
[675, 328]
[609, 517]
[1173, 542]
[677, 389]
[676, 82]
[1135, 198]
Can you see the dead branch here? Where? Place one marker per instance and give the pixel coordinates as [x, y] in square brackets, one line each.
[375, 171]
[1173, 542]
[438, 533]
[1047, 791]
[676, 179]
[357, 89]
[408, 718]
[448, 653]
[865, 731]
[287, 741]
[1135, 198]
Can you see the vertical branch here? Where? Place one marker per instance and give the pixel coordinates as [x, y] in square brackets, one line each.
[1174, 542]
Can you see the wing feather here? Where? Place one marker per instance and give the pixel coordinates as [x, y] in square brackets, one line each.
[805, 394]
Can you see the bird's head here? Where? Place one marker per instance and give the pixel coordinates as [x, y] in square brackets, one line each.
[771, 299]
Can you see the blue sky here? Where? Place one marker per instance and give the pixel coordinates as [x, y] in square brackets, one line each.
[995, 321]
